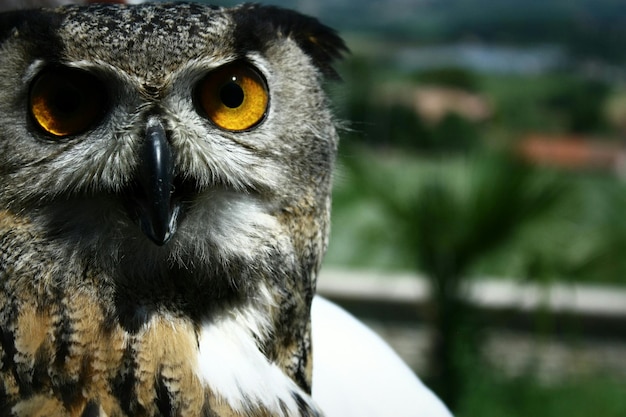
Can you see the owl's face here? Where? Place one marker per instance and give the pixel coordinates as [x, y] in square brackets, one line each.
[162, 138]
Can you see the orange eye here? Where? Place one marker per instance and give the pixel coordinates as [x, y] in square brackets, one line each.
[234, 97]
[66, 101]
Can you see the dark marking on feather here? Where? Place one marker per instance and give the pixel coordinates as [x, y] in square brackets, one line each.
[124, 383]
[62, 329]
[92, 409]
[163, 399]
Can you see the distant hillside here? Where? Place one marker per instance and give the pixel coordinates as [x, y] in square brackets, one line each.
[586, 28]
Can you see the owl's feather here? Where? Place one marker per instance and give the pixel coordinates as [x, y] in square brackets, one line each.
[214, 318]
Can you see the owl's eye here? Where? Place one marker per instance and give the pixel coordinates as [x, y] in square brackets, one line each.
[234, 97]
[66, 101]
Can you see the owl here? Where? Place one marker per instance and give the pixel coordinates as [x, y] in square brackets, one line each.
[165, 174]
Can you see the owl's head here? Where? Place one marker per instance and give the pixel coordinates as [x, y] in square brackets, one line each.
[159, 138]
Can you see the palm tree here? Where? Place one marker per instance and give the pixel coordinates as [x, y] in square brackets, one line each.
[452, 222]
[450, 230]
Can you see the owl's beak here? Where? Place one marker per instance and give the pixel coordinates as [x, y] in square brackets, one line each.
[152, 197]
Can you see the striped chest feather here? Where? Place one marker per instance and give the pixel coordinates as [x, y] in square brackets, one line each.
[71, 360]
[65, 350]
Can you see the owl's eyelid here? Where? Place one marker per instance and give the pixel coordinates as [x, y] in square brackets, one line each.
[259, 62]
[33, 70]
[197, 69]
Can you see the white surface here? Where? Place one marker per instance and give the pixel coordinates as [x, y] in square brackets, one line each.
[356, 374]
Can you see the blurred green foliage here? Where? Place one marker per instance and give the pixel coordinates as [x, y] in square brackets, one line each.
[582, 104]
[446, 225]
[580, 239]
[449, 76]
[453, 200]
[559, 103]
[493, 395]
[449, 232]
[383, 123]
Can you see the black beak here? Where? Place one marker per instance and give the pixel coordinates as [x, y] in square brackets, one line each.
[152, 196]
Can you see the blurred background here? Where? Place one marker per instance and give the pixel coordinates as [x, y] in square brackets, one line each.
[479, 215]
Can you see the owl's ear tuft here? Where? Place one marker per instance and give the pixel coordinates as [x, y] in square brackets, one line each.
[11, 22]
[258, 24]
[40, 27]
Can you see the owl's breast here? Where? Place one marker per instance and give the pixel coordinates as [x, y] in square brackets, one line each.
[68, 359]
[65, 348]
